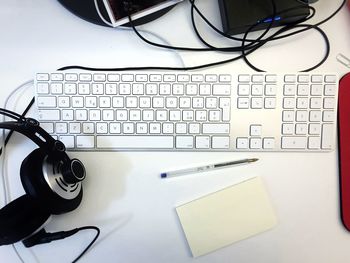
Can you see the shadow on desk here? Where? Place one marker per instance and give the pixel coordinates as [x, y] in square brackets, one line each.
[105, 181]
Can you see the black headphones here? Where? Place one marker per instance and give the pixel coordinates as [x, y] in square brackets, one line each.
[51, 180]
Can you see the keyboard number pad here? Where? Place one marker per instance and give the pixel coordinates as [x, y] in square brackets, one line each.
[308, 112]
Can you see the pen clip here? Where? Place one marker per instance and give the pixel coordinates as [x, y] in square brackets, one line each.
[343, 60]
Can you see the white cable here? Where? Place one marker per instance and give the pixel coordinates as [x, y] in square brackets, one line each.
[4, 174]
[166, 42]
[3, 163]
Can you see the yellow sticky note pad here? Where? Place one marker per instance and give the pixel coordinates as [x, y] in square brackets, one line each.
[224, 217]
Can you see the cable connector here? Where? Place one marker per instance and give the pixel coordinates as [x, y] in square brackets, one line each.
[43, 237]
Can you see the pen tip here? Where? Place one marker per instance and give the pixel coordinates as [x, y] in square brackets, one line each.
[163, 175]
[253, 160]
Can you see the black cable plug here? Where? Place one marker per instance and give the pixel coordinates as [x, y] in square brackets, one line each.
[43, 237]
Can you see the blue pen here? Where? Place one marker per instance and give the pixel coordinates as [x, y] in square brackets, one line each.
[206, 167]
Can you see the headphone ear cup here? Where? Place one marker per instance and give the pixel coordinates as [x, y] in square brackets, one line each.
[21, 218]
[35, 185]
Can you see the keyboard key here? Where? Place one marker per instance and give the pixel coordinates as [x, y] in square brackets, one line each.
[183, 78]
[258, 78]
[46, 102]
[270, 89]
[85, 77]
[255, 143]
[197, 78]
[169, 78]
[330, 78]
[220, 142]
[86, 141]
[57, 76]
[113, 77]
[303, 90]
[42, 77]
[225, 78]
[255, 130]
[303, 78]
[327, 136]
[242, 143]
[244, 78]
[270, 103]
[155, 78]
[243, 103]
[221, 89]
[290, 78]
[257, 103]
[314, 143]
[216, 128]
[47, 126]
[99, 77]
[225, 105]
[130, 142]
[142, 78]
[294, 142]
[202, 142]
[68, 141]
[329, 90]
[289, 89]
[314, 129]
[328, 116]
[328, 103]
[316, 90]
[211, 78]
[184, 142]
[287, 128]
[288, 115]
[270, 78]
[42, 88]
[243, 90]
[269, 143]
[127, 77]
[257, 90]
[316, 78]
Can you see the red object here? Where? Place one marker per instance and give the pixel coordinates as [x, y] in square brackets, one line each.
[344, 147]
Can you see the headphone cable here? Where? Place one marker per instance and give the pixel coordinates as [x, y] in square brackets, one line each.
[91, 243]
[43, 237]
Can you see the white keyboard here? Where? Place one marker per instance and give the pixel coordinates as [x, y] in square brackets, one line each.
[181, 111]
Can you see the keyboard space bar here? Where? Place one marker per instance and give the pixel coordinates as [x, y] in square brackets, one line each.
[134, 142]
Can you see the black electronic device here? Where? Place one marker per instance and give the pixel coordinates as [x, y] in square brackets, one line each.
[86, 9]
[238, 16]
[51, 180]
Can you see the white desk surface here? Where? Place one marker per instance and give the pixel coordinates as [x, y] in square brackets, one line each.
[123, 193]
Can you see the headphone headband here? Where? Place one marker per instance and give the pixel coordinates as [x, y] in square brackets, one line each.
[30, 128]
[72, 170]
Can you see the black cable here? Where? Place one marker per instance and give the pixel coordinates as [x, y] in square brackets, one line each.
[251, 46]
[261, 42]
[254, 42]
[275, 36]
[209, 48]
[91, 243]
[286, 28]
[10, 114]
[43, 237]
[323, 34]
